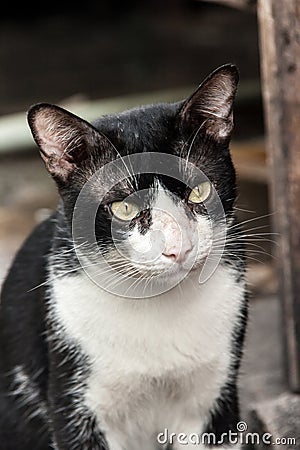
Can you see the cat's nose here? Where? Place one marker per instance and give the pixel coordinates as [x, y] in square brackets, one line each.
[178, 253]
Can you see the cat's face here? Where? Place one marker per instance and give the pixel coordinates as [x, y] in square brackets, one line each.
[155, 214]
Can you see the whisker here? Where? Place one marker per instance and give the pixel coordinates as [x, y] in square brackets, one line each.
[236, 208]
[234, 255]
[246, 239]
[191, 146]
[52, 278]
[131, 174]
[243, 222]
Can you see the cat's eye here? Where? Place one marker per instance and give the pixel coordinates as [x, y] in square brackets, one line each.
[200, 193]
[124, 210]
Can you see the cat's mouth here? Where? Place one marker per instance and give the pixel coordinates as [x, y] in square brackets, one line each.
[141, 278]
[174, 270]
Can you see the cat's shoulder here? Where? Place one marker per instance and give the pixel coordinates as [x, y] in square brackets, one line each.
[29, 266]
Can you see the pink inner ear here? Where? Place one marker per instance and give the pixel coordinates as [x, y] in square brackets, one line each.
[217, 99]
[59, 168]
[57, 136]
[50, 148]
[214, 97]
[52, 134]
[220, 129]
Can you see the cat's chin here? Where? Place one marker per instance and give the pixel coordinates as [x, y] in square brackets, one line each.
[176, 272]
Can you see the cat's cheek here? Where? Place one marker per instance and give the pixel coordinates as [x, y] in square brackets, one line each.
[138, 243]
[204, 237]
[147, 249]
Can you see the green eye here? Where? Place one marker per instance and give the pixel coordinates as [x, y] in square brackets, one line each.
[124, 210]
[200, 193]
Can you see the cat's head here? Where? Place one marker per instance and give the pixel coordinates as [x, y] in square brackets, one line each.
[151, 222]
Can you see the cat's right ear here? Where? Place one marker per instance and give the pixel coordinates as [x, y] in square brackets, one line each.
[64, 139]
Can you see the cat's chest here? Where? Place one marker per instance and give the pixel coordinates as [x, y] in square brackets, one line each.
[153, 361]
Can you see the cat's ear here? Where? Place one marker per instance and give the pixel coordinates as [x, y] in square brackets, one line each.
[64, 139]
[211, 105]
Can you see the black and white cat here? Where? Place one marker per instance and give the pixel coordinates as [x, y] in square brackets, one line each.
[85, 368]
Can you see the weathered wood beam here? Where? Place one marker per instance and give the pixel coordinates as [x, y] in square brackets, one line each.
[279, 25]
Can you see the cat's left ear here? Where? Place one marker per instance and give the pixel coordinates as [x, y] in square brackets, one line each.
[64, 139]
[210, 107]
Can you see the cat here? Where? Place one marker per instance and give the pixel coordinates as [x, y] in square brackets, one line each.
[85, 367]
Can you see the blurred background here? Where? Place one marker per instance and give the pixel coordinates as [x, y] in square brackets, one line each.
[97, 58]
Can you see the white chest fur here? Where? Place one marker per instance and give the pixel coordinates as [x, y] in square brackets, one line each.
[155, 363]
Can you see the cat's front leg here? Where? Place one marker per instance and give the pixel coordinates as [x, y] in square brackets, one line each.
[222, 431]
[74, 426]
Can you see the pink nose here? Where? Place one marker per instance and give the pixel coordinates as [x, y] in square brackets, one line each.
[178, 254]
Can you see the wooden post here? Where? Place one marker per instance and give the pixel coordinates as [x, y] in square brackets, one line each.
[279, 27]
